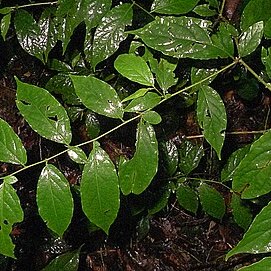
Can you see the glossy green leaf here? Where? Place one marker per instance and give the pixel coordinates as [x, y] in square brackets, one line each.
[5, 10]
[266, 60]
[134, 68]
[43, 113]
[5, 22]
[173, 6]
[232, 163]
[68, 261]
[255, 11]
[204, 10]
[139, 93]
[189, 156]
[211, 200]
[212, 117]
[257, 238]
[11, 148]
[148, 101]
[152, 117]
[252, 176]
[98, 96]
[10, 179]
[54, 199]
[169, 156]
[164, 73]
[92, 124]
[198, 75]
[10, 213]
[241, 212]
[186, 37]
[267, 29]
[250, 39]
[264, 264]
[187, 198]
[77, 155]
[100, 189]
[110, 32]
[136, 174]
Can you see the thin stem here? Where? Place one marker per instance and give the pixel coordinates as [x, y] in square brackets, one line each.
[259, 78]
[135, 4]
[35, 4]
[209, 181]
[222, 9]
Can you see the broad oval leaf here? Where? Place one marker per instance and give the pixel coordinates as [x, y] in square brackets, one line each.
[43, 113]
[152, 117]
[4, 26]
[250, 39]
[257, 238]
[134, 68]
[110, 32]
[10, 213]
[187, 198]
[212, 117]
[253, 175]
[139, 93]
[98, 96]
[264, 264]
[11, 148]
[77, 155]
[100, 189]
[173, 6]
[136, 174]
[54, 199]
[211, 200]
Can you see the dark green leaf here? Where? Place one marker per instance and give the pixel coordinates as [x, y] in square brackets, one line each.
[5, 22]
[92, 124]
[241, 212]
[264, 264]
[212, 117]
[11, 148]
[54, 199]
[252, 176]
[250, 39]
[98, 96]
[257, 238]
[10, 213]
[187, 198]
[109, 33]
[148, 101]
[136, 174]
[68, 261]
[186, 37]
[232, 163]
[190, 156]
[173, 6]
[211, 200]
[267, 29]
[100, 189]
[43, 113]
[77, 155]
[204, 10]
[139, 93]
[134, 68]
[152, 117]
[198, 75]
[266, 60]
[5, 10]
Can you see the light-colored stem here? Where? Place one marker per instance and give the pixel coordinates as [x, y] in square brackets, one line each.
[35, 4]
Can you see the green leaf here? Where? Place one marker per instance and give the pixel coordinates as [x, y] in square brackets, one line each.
[148, 101]
[241, 212]
[92, 124]
[164, 72]
[77, 155]
[250, 39]
[253, 175]
[204, 10]
[255, 11]
[136, 174]
[152, 117]
[257, 238]
[232, 163]
[134, 68]
[267, 29]
[212, 117]
[109, 33]
[169, 156]
[11, 148]
[10, 213]
[100, 189]
[266, 60]
[5, 22]
[187, 198]
[211, 200]
[173, 6]
[264, 264]
[5, 10]
[54, 199]
[190, 156]
[186, 37]
[98, 96]
[43, 113]
[68, 261]
[198, 75]
[139, 93]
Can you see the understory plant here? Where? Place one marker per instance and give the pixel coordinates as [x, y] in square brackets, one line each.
[145, 58]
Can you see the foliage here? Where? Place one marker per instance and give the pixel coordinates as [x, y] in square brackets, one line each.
[195, 33]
